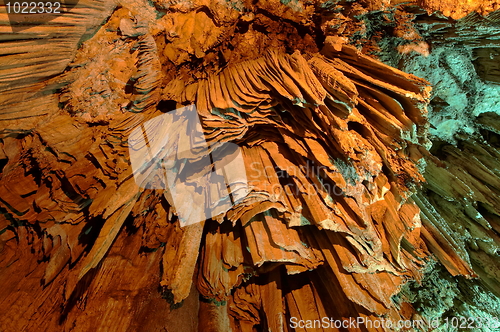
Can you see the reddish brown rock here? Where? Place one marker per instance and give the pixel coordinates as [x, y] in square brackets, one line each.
[83, 247]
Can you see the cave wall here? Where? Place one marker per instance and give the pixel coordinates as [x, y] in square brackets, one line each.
[84, 248]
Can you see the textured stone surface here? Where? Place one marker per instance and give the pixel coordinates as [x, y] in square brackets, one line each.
[351, 205]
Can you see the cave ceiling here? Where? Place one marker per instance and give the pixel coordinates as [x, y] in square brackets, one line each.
[245, 165]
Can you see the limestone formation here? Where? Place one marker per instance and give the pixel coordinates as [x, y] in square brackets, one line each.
[351, 195]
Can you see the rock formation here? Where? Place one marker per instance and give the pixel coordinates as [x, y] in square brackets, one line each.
[355, 192]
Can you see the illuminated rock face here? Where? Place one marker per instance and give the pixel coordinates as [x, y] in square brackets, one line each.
[459, 9]
[335, 217]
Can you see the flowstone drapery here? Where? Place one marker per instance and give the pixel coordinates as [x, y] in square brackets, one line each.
[348, 201]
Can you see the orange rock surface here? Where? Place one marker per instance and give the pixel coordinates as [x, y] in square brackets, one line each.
[84, 248]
